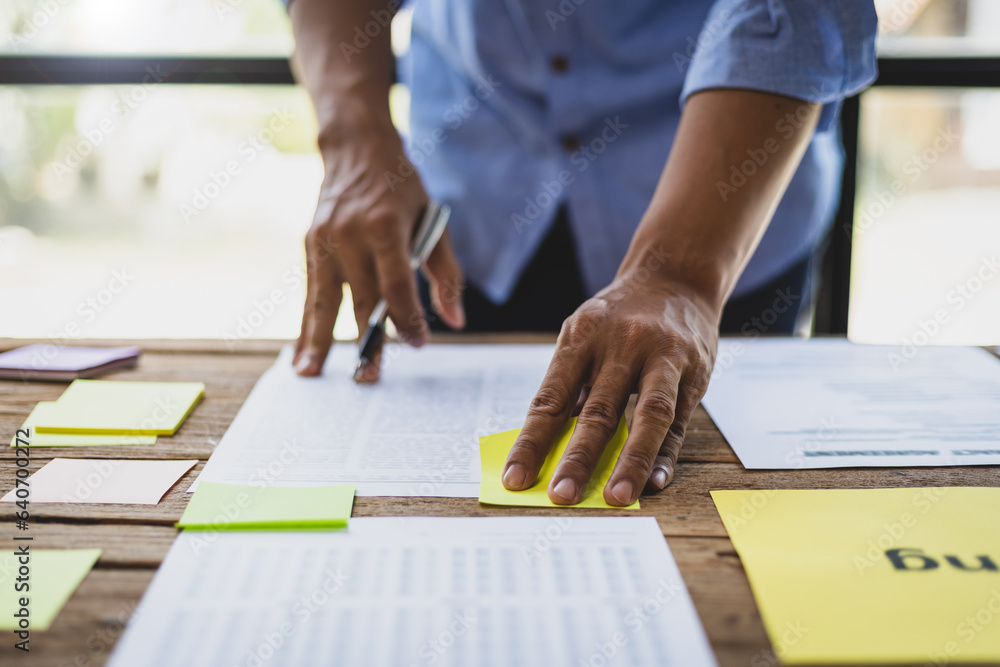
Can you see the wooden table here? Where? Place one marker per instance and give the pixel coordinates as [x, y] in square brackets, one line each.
[135, 538]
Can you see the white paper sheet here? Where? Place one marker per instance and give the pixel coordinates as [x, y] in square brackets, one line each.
[415, 433]
[520, 591]
[105, 481]
[827, 403]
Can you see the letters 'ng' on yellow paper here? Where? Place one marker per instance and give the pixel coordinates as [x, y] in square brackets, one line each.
[872, 575]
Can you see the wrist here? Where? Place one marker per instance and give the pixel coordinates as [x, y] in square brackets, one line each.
[659, 266]
[705, 267]
[349, 130]
[344, 115]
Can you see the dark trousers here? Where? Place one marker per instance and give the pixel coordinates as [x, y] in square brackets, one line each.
[550, 289]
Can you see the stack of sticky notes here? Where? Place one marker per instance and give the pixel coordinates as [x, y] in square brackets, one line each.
[35, 439]
[217, 506]
[62, 362]
[98, 412]
[99, 407]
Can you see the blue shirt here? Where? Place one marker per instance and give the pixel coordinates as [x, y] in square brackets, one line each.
[519, 107]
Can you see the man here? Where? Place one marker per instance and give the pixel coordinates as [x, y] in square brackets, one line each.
[546, 127]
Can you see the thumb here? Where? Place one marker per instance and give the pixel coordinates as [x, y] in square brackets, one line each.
[447, 283]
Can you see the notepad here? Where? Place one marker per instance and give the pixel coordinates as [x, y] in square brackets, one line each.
[103, 481]
[37, 439]
[493, 450]
[872, 575]
[238, 507]
[45, 361]
[53, 576]
[122, 408]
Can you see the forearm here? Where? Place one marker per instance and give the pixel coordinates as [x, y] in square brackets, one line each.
[348, 83]
[707, 219]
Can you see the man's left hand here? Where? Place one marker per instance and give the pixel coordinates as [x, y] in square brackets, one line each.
[656, 339]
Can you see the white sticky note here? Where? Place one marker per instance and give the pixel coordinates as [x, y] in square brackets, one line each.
[101, 481]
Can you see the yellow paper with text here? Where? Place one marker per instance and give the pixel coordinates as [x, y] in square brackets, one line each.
[872, 575]
[493, 450]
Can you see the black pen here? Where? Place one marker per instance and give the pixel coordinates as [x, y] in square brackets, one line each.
[431, 227]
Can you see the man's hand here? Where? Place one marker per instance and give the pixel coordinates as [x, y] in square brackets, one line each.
[654, 330]
[362, 228]
[361, 235]
[659, 341]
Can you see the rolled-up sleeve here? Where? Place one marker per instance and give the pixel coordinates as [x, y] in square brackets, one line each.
[815, 50]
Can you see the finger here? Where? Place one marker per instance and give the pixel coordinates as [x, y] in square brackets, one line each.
[324, 293]
[582, 400]
[369, 372]
[389, 242]
[654, 413]
[359, 270]
[447, 282]
[666, 459]
[595, 427]
[547, 415]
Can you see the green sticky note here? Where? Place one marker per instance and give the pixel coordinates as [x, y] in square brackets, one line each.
[122, 408]
[44, 409]
[237, 507]
[493, 450]
[52, 577]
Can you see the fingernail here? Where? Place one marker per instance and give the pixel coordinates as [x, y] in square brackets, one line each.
[622, 492]
[366, 373]
[459, 315]
[420, 338]
[514, 477]
[659, 478]
[565, 490]
[305, 365]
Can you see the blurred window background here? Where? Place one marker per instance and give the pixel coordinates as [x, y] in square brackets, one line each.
[159, 27]
[926, 241]
[162, 210]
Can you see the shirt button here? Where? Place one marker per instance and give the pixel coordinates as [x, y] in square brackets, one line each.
[559, 64]
[570, 143]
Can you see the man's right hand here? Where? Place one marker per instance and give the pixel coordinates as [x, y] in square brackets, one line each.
[361, 234]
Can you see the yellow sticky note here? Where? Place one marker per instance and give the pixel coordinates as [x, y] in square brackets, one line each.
[872, 575]
[237, 507]
[122, 408]
[43, 409]
[51, 578]
[493, 450]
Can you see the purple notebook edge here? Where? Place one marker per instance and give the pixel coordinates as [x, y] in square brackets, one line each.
[44, 358]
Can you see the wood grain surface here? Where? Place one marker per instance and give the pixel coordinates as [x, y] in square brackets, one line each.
[136, 538]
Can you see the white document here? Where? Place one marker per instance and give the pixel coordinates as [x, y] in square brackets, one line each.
[828, 403]
[520, 591]
[414, 433]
